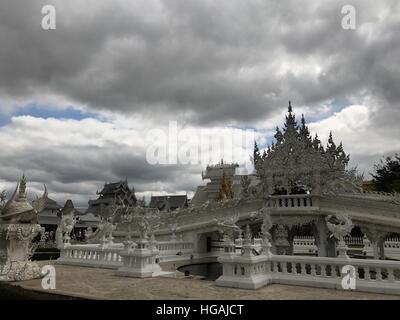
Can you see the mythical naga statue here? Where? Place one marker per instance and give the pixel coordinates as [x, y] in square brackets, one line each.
[18, 227]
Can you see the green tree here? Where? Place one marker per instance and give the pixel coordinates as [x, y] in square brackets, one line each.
[387, 174]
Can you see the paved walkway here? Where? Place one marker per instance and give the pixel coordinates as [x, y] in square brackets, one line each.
[103, 284]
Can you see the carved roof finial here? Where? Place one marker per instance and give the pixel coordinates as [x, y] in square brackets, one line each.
[22, 186]
[290, 109]
[303, 120]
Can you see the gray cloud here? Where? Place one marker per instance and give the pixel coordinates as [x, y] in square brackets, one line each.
[207, 61]
[203, 62]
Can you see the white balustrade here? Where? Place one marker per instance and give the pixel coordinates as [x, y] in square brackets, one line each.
[391, 248]
[379, 276]
[91, 256]
[304, 245]
[174, 250]
[94, 255]
[295, 201]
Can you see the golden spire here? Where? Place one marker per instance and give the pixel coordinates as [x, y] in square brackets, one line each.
[226, 191]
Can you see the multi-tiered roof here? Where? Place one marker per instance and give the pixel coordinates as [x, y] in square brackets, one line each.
[296, 158]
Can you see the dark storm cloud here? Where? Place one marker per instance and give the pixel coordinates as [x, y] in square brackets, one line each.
[75, 157]
[205, 61]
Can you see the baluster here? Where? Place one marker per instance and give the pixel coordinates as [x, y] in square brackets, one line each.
[378, 274]
[323, 270]
[313, 271]
[294, 267]
[303, 269]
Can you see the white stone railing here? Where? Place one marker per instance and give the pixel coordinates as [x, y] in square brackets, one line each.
[304, 245]
[94, 255]
[391, 248]
[378, 276]
[354, 241]
[256, 242]
[295, 201]
[370, 275]
[174, 250]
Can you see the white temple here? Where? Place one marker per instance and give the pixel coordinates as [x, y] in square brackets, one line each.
[250, 224]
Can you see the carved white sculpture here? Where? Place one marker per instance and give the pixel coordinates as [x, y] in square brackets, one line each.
[139, 258]
[339, 230]
[297, 159]
[18, 227]
[64, 229]
[228, 227]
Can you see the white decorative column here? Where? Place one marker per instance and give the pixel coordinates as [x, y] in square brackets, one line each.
[137, 263]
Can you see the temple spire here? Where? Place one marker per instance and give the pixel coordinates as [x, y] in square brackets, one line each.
[290, 119]
[22, 186]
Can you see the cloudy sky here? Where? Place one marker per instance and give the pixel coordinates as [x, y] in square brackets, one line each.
[79, 105]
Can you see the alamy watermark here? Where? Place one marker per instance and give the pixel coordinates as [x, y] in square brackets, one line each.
[49, 277]
[49, 17]
[349, 19]
[199, 146]
[349, 277]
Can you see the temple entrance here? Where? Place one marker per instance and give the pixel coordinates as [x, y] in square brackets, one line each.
[208, 242]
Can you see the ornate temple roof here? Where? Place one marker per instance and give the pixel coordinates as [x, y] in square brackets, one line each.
[51, 204]
[168, 202]
[111, 194]
[69, 208]
[297, 158]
